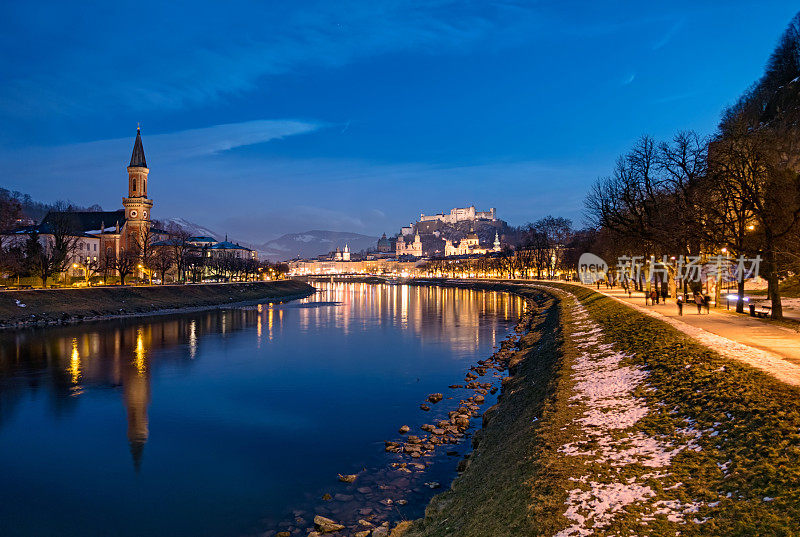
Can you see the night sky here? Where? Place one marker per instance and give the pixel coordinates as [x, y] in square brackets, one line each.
[261, 118]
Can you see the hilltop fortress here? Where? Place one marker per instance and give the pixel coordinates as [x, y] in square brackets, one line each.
[460, 215]
[462, 231]
[455, 216]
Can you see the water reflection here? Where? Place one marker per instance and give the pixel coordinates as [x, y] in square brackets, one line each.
[211, 399]
[429, 312]
[68, 361]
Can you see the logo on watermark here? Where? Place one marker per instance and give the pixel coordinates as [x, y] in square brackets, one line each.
[591, 268]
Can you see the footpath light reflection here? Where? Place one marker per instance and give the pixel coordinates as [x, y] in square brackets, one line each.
[139, 355]
[192, 339]
[75, 362]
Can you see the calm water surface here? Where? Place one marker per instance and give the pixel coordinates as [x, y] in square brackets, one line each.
[221, 423]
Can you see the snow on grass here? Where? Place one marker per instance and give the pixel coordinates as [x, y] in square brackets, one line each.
[605, 385]
[596, 507]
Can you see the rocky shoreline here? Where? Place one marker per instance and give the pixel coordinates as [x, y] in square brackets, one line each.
[369, 503]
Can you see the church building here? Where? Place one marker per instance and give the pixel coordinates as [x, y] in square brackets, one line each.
[103, 235]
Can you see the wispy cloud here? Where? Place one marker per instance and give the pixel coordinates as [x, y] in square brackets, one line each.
[163, 148]
[667, 37]
[157, 64]
[675, 97]
[40, 170]
[628, 79]
[256, 198]
[218, 138]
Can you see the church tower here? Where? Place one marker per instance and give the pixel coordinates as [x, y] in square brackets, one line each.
[137, 205]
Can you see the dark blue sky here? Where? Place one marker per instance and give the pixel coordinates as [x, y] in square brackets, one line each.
[261, 118]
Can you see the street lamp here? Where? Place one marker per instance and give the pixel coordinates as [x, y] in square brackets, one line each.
[148, 272]
[85, 271]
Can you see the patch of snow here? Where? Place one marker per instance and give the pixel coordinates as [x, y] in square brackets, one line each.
[605, 384]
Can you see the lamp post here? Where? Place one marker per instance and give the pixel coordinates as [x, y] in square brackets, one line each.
[717, 291]
[85, 271]
[148, 272]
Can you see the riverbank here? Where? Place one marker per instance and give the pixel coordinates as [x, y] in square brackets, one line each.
[63, 306]
[612, 422]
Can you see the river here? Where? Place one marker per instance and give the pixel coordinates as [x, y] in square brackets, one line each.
[233, 422]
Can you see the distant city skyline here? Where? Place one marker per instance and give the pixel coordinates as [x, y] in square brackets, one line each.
[358, 117]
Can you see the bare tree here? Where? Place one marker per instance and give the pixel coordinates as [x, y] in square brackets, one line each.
[12, 261]
[181, 249]
[763, 194]
[553, 233]
[143, 240]
[125, 263]
[163, 260]
[10, 212]
[49, 252]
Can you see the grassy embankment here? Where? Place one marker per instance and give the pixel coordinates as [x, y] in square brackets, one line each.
[790, 288]
[65, 305]
[745, 476]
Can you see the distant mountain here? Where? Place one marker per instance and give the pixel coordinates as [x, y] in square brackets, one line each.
[195, 229]
[313, 243]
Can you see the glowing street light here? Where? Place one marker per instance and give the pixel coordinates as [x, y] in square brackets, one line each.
[85, 270]
[148, 272]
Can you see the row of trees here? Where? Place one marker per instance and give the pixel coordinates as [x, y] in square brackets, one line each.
[542, 249]
[50, 254]
[737, 192]
[734, 194]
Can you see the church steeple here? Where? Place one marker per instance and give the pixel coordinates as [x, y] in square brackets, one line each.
[137, 204]
[137, 158]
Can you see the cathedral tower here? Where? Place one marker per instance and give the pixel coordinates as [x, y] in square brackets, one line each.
[137, 205]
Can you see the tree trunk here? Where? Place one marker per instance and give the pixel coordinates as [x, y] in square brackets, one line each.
[740, 295]
[773, 290]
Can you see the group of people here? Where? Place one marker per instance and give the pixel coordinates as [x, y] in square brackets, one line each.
[703, 302]
[655, 296]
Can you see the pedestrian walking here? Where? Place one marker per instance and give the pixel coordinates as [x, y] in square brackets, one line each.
[653, 297]
[679, 302]
[698, 299]
[707, 303]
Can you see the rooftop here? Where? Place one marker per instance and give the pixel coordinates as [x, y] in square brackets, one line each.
[137, 158]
